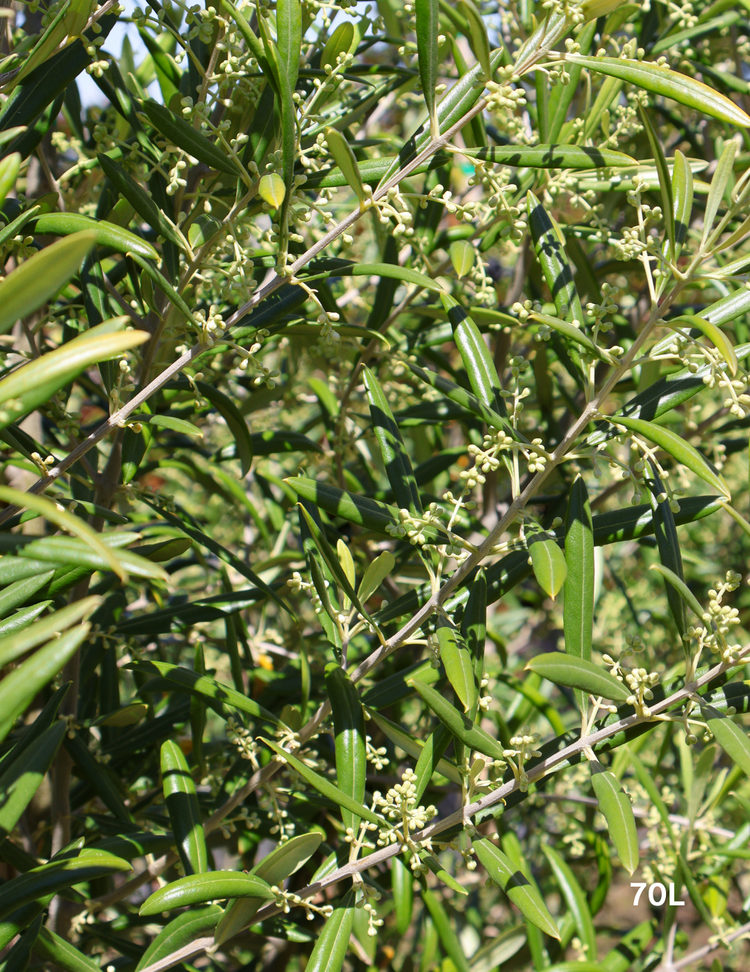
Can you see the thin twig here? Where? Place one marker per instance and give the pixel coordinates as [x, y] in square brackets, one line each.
[700, 953]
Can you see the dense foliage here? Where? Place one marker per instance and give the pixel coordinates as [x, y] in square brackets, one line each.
[374, 422]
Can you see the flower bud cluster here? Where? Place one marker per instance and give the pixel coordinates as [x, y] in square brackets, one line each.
[640, 682]
[412, 526]
[400, 804]
[522, 747]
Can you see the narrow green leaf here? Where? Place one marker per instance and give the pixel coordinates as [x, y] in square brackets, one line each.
[395, 459]
[139, 199]
[181, 931]
[333, 941]
[459, 666]
[188, 681]
[665, 183]
[127, 715]
[448, 937]
[365, 512]
[402, 888]
[553, 261]
[682, 196]
[380, 568]
[629, 948]
[323, 786]
[428, 28]
[349, 738]
[339, 42]
[483, 377]
[678, 448]
[274, 869]
[345, 159]
[287, 858]
[574, 897]
[463, 256]
[23, 777]
[199, 888]
[466, 400]
[474, 624]
[22, 618]
[618, 812]
[36, 382]
[720, 339]
[442, 875]
[521, 156]
[21, 591]
[165, 550]
[519, 862]
[548, 564]
[719, 183]
[56, 876]
[478, 38]
[9, 169]
[289, 34]
[415, 747]
[332, 562]
[172, 424]
[551, 156]
[573, 333]
[101, 779]
[222, 553]
[579, 674]
[728, 309]
[72, 551]
[18, 688]
[182, 807]
[392, 270]
[14, 645]
[665, 531]
[578, 603]
[514, 883]
[184, 136]
[463, 728]
[21, 918]
[107, 234]
[667, 83]
[41, 277]
[733, 740]
[60, 954]
[17, 959]
[251, 39]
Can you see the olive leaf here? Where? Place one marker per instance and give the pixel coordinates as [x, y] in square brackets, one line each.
[548, 563]
[426, 12]
[199, 888]
[580, 674]
[41, 276]
[678, 448]
[521, 892]
[618, 812]
[667, 83]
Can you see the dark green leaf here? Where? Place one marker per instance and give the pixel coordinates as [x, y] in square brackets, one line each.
[183, 809]
[521, 892]
[578, 604]
[200, 888]
[579, 674]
